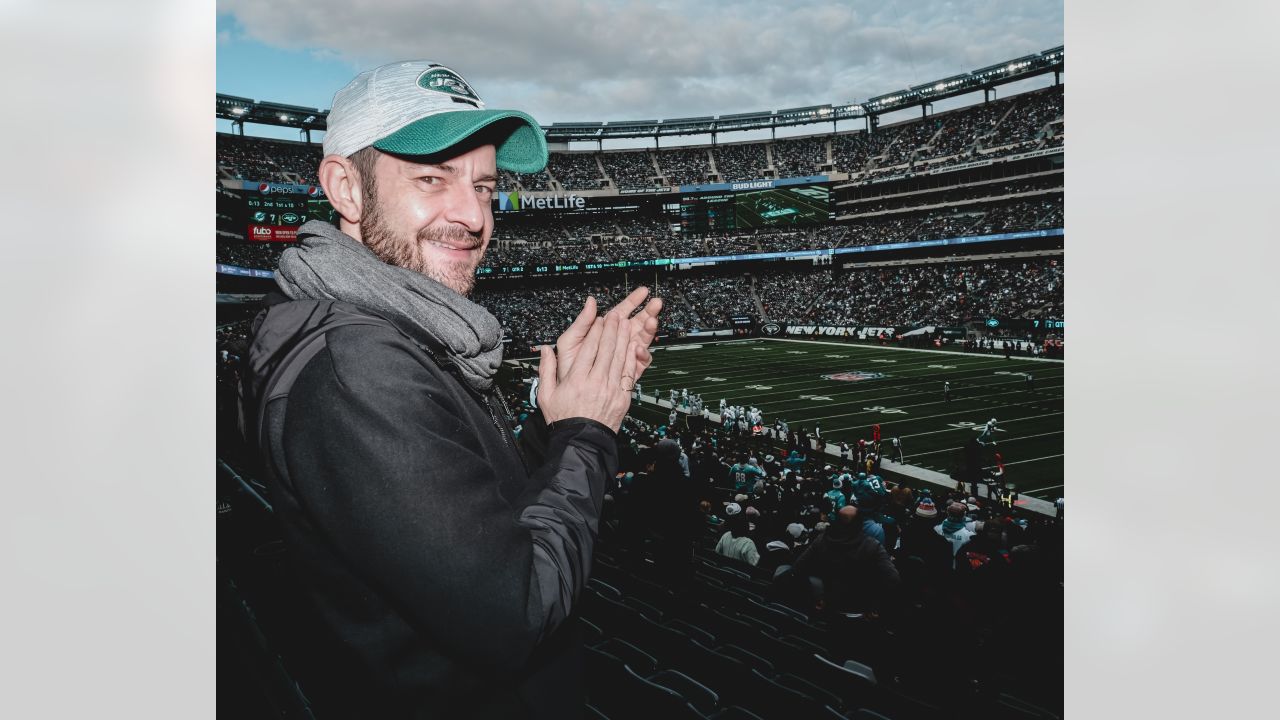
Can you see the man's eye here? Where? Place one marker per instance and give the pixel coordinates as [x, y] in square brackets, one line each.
[431, 180]
[484, 189]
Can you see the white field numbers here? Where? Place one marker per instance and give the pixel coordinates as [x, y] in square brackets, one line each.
[974, 426]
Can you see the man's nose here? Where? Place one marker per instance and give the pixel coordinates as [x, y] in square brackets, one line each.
[466, 207]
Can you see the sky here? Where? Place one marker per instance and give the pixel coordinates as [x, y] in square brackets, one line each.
[567, 60]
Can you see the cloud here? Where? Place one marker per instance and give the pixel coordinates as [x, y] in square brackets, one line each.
[610, 59]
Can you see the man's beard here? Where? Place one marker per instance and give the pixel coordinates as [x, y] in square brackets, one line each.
[457, 275]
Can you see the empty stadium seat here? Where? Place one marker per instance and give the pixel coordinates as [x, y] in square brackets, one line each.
[855, 688]
[635, 658]
[773, 700]
[720, 672]
[702, 698]
[735, 712]
[1009, 707]
[750, 659]
[646, 700]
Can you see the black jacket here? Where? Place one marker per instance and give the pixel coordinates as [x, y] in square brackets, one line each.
[439, 563]
[856, 572]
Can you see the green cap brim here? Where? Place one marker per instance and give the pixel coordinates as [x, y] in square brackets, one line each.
[523, 151]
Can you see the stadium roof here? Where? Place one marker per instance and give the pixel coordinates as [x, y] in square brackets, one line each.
[240, 110]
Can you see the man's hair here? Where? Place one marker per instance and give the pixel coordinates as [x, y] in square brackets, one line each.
[365, 161]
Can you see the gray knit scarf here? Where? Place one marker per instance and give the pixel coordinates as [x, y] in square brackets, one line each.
[329, 264]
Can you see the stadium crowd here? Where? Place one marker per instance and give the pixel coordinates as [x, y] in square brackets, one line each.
[685, 166]
[994, 129]
[629, 169]
[800, 156]
[258, 159]
[738, 162]
[575, 171]
[950, 294]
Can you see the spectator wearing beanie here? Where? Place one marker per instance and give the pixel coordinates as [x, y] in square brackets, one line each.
[919, 539]
[736, 542]
[955, 528]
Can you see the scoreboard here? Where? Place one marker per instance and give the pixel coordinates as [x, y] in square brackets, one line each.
[796, 205]
[276, 217]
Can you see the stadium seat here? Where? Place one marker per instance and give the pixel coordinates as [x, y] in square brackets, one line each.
[721, 673]
[854, 689]
[761, 625]
[646, 700]
[591, 633]
[652, 593]
[635, 658]
[667, 644]
[644, 608]
[1009, 707]
[748, 658]
[734, 712]
[604, 681]
[775, 701]
[800, 685]
[611, 616]
[805, 646]
[703, 699]
[604, 588]
[725, 626]
[692, 631]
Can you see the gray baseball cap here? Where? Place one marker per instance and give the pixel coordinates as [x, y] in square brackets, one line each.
[422, 108]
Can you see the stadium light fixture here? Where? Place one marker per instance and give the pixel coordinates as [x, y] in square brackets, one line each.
[237, 111]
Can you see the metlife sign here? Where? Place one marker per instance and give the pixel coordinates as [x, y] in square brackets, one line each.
[515, 202]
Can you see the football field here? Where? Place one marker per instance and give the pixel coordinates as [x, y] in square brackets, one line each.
[847, 388]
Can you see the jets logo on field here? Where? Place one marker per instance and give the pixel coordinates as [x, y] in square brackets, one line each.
[854, 376]
[442, 79]
[770, 329]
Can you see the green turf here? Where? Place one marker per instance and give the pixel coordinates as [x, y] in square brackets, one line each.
[777, 375]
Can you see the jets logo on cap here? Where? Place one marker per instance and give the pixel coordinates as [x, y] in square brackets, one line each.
[442, 79]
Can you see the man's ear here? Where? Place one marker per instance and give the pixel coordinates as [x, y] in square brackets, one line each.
[341, 182]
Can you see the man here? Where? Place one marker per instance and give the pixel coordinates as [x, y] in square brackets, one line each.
[856, 572]
[946, 390]
[956, 528]
[988, 433]
[437, 560]
[896, 442]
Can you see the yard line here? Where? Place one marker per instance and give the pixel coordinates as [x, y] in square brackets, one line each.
[1002, 422]
[1041, 489]
[917, 381]
[1019, 462]
[763, 363]
[929, 417]
[882, 398]
[1002, 442]
[903, 349]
